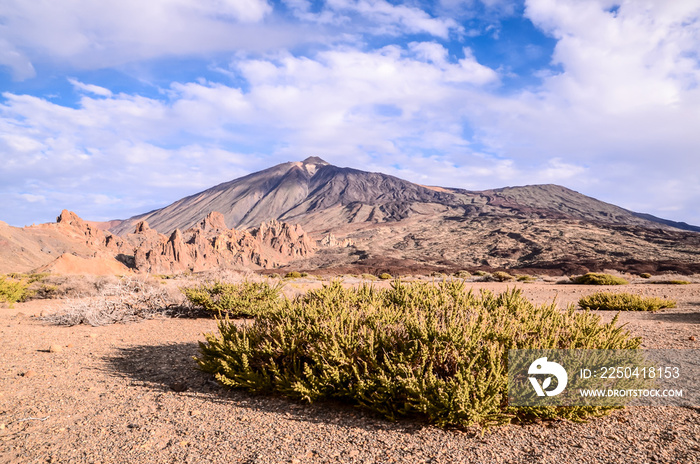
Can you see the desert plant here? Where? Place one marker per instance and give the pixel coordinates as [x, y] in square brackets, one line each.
[128, 299]
[384, 276]
[244, 299]
[623, 302]
[481, 273]
[502, 276]
[414, 349]
[13, 291]
[70, 286]
[645, 275]
[462, 274]
[369, 277]
[292, 275]
[525, 278]
[671, 282]
[597, 278]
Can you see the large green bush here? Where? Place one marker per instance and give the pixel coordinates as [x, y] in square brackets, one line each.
[623, 302]
[235, 300]
[598, 278]
[414, 349]
[13, 291]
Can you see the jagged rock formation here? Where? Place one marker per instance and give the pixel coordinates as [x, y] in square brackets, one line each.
[211, 245]
[71, 245]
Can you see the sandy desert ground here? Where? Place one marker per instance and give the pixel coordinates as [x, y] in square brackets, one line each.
[129, 393]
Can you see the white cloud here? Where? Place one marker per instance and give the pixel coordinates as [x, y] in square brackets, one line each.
[376, 17]
[88, 35]
[90, 88]
[19, 64]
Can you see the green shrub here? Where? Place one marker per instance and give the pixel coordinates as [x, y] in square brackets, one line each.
[671, 282]
[501, 276]
[525, 278]
[623, 302]
[385, 276]
[645, 275]
[13, 291]
[304, 274]
[29, 278]
[235, 300]
[292, 275]
[597, 278]
[481, 273]
[462, 274]
[434, 351]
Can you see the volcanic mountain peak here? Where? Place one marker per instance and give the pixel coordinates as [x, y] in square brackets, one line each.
[323, 197]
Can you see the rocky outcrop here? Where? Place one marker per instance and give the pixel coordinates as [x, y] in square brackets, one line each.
[330, 241]
[72, 245]
[211, 245]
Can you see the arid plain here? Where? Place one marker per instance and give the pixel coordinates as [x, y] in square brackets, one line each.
[131, 393]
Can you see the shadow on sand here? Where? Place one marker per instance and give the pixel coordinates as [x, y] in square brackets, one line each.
[171, 367]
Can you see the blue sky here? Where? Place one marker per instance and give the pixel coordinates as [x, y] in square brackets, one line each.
[115, 108]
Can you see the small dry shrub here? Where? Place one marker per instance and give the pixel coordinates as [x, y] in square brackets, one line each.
[525, 278]
[462, 274]
[645, 275]
[71, 286]
[671, 282]
[128, 299]
[598, 278]
[623, 302]
[292, 275]
[369, 277]
[501, 276]
[385, 276]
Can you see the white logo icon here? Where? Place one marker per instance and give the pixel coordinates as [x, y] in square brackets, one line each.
[542, 366]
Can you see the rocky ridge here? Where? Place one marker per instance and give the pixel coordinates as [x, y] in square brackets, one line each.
[72, 245]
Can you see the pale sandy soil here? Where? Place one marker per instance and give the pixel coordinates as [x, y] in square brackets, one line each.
[112, 395]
